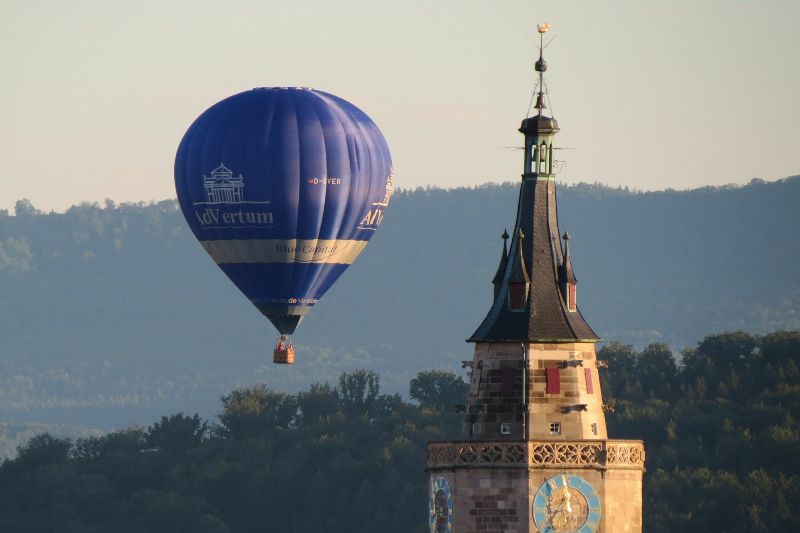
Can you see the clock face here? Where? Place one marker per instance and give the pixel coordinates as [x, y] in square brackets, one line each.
[440, 516]
[566, 503]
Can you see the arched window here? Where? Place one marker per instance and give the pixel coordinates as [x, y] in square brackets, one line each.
[543, 158]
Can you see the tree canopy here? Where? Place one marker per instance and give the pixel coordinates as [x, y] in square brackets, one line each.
[720, 423]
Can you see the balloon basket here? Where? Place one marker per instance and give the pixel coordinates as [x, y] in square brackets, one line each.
[283, 357]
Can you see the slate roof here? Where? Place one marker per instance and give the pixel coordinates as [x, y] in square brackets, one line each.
[545, 317]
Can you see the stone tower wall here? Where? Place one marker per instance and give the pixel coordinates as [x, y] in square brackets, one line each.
[494, 477]
[497, 387]
[494, 484]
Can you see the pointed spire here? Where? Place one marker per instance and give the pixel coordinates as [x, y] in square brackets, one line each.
[501, 268]
[565, 272]
[536, 300]
[519, 281]
[519, 272]
[540, 123]
[541, 67]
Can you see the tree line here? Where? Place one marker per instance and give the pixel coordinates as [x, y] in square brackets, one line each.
[719, 422]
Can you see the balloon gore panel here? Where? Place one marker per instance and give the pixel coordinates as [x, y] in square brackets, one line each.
[283, 187]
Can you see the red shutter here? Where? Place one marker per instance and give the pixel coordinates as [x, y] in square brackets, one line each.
[587, 372]
[553, 381]
[571, 296]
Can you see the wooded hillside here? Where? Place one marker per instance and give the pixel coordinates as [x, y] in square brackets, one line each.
[112, 314]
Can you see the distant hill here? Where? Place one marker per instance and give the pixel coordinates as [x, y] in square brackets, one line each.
[113, 314]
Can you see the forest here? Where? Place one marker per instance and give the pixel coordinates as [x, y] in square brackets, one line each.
[720, 424]
[111, 313]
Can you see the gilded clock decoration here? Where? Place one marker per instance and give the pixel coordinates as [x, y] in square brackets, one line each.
[440, 518]
[566, 503]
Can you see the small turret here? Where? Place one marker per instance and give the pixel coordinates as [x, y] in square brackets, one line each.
[501, 268]
[566, 278]
[518, 281]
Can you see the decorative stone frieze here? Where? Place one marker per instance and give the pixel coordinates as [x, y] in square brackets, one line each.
[625, 453]
[537, 454]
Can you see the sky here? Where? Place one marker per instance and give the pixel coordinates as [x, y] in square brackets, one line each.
[96, 95]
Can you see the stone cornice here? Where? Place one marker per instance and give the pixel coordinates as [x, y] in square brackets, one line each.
[557, 455]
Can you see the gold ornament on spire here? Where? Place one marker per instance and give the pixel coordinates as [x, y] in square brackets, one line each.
[543, 27]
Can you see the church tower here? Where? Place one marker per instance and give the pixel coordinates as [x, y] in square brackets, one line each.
[535, 456]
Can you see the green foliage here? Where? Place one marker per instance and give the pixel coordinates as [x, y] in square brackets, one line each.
[721, 430]
[24, 208]
[177, 433]
[42, 451]
[438, 389]
[345, 458]
[254, 412]
[358, 390]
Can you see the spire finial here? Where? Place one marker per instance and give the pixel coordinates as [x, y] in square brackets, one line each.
[541, 66]
[501, 269]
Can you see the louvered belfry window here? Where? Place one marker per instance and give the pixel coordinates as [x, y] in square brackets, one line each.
[553, 381]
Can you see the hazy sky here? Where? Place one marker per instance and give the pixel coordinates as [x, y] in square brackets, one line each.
[96, 95]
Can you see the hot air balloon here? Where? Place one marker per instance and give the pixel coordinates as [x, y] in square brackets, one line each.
[283, 187]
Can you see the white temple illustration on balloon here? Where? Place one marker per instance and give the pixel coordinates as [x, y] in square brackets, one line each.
[222, 187]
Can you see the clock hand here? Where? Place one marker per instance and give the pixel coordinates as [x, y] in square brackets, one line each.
[566, 496]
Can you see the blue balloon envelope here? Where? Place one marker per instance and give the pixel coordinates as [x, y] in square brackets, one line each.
[283, 187]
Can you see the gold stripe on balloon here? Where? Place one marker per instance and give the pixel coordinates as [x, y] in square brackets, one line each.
[284, 250]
